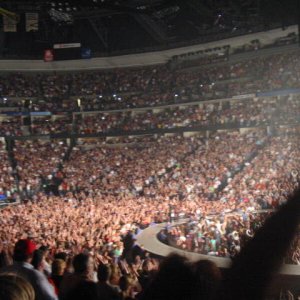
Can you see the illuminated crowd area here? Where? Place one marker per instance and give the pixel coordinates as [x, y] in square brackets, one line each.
[90, 159]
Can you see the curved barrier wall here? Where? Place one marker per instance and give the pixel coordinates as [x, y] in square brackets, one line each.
[148, 239]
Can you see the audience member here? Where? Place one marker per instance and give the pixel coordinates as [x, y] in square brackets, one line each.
[23, 253]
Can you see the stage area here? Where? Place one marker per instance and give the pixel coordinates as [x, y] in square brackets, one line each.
[148, 239]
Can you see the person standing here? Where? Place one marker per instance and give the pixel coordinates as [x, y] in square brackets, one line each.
[23, 253]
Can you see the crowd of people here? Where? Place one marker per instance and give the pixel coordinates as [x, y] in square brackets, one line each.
[266, 181]
[184, 173]
[50, 125]
[123, 170]
[272, 174]
[220, 236]
[108, 194]
[150, 86]
[242, 113]
[37, 161]
[85, 201]
[100, 268]
[7, 180]
[11, 127]
[278, 110]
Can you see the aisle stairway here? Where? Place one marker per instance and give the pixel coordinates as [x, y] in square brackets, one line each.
[241, 167]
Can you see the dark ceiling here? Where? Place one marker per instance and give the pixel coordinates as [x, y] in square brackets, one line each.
[108, 26]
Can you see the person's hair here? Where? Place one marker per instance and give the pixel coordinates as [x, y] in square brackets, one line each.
[5, 259]
[44, 248]
[208, 269]
[23, 250]
[37, 258]
[61, 255]
[81, 263]
[87, 290]
[146, 265]
[103, 272]
[13, 287]
[20, 256]
[173, 281]
[124, 283]
[58, 267]
[207, 279]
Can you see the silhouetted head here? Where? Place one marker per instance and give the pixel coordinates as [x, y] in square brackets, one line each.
[82, 263]
[58, 267]
[103, 272]
[85, 290]
[37, 259]
[24, 250]
[173, 281]
[207, 279]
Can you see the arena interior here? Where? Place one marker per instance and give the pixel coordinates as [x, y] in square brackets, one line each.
[150, 150]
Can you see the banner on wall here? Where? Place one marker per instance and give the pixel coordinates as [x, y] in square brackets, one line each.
[86, 53]
[48, 55]
[9, 24]
[67, 51]
[32, 22]
[14, 113]
[66, 46]
[40, 113]
[2, 197]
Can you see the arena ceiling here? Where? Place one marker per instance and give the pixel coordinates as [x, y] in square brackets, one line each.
[109, 27]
